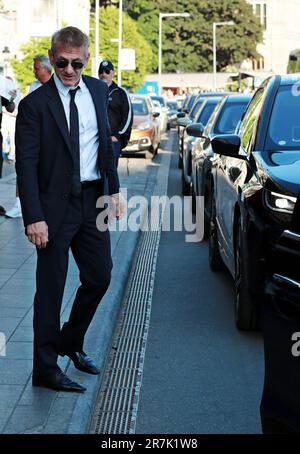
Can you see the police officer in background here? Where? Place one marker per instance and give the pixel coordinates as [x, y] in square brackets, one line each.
[119, 109]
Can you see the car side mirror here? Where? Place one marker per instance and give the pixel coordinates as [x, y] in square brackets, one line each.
[195, 130]
[228, 145]
[180, 114]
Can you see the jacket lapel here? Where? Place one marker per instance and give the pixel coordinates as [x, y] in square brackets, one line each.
[57, 110]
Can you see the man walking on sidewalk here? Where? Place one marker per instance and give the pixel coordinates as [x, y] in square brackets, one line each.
[120, 113]
[63, 160]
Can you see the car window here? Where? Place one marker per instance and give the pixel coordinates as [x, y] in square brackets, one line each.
[213, 117]
[139, 106]
[160, 99]
[229, 117]
[206, 112]
[284, 127]
[172, 105]
[250, 117]
[195, 109]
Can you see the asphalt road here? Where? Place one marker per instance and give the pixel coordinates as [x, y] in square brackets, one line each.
[201, 375]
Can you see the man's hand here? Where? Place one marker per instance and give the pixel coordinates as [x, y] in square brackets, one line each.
[114, 139]
[37, 233]
[117, 207]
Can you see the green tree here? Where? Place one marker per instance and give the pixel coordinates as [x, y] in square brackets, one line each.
[187, 42]
[23, 69]
[109, 23]
[131, 38]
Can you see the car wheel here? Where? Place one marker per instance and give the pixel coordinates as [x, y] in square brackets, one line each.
[149, 154]
[246, 314]
[214, 257]
[185, 187]
[180, 164]
[193, 199]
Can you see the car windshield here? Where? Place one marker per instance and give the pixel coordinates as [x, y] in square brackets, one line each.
[172, 105]
[284, 127]
[160, 99]
[229, 117]
[206, 112]
[139, 106]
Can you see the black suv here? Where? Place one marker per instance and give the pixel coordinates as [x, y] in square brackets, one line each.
[255, 182]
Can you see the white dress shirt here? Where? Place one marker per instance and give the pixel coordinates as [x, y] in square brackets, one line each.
[88, 127]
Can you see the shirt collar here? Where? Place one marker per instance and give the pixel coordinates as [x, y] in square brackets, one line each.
[65, 90]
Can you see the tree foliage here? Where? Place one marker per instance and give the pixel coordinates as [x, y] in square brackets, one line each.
[131, 38]
[109, 23]
[23, 69]
[187, 42]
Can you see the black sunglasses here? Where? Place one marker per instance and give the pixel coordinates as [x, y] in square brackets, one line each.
[106, 71]
[64, 64]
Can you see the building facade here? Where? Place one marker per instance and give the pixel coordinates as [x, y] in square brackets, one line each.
[280, 21]
[21, 20]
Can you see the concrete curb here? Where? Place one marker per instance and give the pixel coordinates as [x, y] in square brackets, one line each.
[100, 340]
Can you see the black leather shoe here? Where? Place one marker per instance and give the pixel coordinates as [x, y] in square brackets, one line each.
[58, 381]
[2, 211]
[84, 363]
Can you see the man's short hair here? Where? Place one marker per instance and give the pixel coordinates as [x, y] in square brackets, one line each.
[70, 37]
[45, 62]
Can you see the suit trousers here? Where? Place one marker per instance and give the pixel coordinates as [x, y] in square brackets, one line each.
[92, 254]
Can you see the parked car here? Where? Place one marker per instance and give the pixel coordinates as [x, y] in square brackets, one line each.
[145, 133]
[183, 121]
[164, 112]
[172, 113]
[224, 120]
[207, 107]
[255, 183]
[187, 116]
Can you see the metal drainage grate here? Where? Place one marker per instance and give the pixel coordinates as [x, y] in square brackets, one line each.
[117, 406]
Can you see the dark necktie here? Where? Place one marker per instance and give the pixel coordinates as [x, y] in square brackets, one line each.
[75, 146]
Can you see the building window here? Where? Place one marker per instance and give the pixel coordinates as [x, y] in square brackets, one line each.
[260, 11]
[258, 65]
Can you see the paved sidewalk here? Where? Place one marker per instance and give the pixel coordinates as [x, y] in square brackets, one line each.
[24, 409]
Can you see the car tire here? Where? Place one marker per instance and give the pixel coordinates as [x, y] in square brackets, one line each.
[149, 154]
[193, 199]
[180, 163]
[214, 256]
[246, 313]
[185, 187]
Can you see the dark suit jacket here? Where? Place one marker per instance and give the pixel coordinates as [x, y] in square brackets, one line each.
[44, 162]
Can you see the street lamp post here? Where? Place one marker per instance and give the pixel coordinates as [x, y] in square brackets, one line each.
[120, 42]
[96, 40]
[161, 16]
[215, 24]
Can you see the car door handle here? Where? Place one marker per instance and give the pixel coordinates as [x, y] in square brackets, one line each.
[234, 173]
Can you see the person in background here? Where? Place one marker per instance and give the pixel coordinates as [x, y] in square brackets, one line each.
[10, 107]
[42, 70]
[120, 113]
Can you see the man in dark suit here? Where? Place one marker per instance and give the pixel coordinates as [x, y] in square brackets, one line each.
[64, 159]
